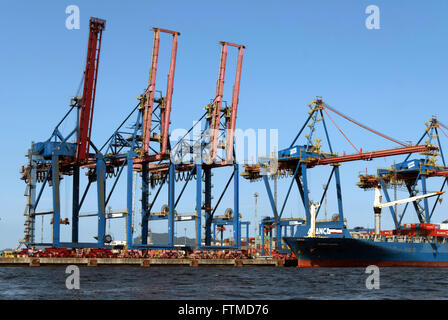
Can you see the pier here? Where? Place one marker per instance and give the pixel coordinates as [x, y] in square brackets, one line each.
[145, 262]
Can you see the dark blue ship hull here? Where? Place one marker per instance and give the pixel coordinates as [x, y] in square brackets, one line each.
[350, 252]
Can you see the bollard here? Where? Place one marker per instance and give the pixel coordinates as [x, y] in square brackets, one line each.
[92, 263]
[194, 263]
[35, 263]
[238, 263]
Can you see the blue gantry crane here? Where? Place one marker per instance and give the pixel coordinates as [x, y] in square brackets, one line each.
[50, 160]
[296, 162]
[413, 175]
[141, 147]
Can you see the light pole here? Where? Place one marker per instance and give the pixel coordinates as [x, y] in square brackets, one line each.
[255, 219]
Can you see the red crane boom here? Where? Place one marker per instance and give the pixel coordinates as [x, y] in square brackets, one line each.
[254, 171]
[374, 154]
[150, 92]
[96, 27]
[216, 105]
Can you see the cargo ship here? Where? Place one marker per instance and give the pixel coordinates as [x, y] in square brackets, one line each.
[331, 244]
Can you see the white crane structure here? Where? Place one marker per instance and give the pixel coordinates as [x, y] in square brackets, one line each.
[378, 205]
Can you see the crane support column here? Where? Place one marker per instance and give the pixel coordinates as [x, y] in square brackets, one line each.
[236, 211]
[129, 202]
[171, 200]
[208, 205]
[199, 205]
[75, 206]
[270, 196]
[101, 191]
[145, 186]
[56, 200]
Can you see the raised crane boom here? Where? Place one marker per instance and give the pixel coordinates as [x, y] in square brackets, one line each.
[378, 204]
[96, 27]
[149, 95]
[215, 108]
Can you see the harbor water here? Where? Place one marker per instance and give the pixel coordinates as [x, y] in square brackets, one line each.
[219, 283]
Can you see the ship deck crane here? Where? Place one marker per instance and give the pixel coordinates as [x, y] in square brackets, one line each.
[378, 204]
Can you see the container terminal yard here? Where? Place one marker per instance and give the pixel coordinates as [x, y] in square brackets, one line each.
[140, 150]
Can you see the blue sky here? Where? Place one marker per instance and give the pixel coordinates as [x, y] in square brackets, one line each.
[392, 79]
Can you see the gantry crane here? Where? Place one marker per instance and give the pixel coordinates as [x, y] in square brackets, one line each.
[189, 158]
[146, 146]
[50, 160]
[142, 147]
[199, 155]
[296, 161]
[412, 174]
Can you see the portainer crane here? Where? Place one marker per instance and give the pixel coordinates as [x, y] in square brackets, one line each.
[139, 146]
[145, 145]
[180, 163]
[413, 174]
[297, 160]
[50, 160]
[210, 149]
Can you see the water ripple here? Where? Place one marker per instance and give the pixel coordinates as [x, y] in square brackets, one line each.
[222, 283]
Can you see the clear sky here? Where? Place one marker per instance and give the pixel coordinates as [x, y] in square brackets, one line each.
[392, 79]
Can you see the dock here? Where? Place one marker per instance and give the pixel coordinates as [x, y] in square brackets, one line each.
[145, 262]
